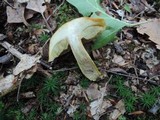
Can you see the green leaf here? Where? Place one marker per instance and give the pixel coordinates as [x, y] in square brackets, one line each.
[127, 8]
[113, 26]
[86, 7]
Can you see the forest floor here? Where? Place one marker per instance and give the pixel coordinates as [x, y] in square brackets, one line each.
[129, 90]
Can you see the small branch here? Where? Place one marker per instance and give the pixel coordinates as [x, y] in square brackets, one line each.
[11, 82]
[9, 4]
[11, 49]
[56, 10]
[48, 26]
[6, 58]
[133, 76]
[64, 69]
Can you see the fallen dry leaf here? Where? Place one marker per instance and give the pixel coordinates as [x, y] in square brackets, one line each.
[117, 59]
[72, 78]
[136, 113]
[93, 92]
[6, 83]
[152, 30]
[25, 63]
[120, 110]
[29, 94]
[72, 109]
[25, 68]
[149, 57]
[37, 5]
[22, 1]
[29, 14]
[99, 107]
[16, 15]
[30, 104]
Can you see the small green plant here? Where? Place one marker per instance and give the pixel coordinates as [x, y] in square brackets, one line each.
[51, 85]
[129, 105]
[77, 115]
[148, 100]
[53, 107]
[80, 114]
[14, 114]
[32, 115]
[122, 118]
[155, 91]
[127, 8]
[1, 106]
[47, 116]
[126, 93]
[44, 37]
[50, 88]
[65, 14]
[85, 83]
[32, 82]
[36, 26]
[2, 110]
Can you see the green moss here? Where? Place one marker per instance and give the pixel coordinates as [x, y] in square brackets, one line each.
[1, 106]
[155, 91]
[32, 115]
[150, 97]
[131, 46]
[122, 118]
[32, 82]
[84, 82]
[36, 26]
[148, 100]
[44, 37]
[80, 114]
[65, 14]
[51, 85]
[126, 94]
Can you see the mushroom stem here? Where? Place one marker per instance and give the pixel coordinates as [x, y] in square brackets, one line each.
[84, 61]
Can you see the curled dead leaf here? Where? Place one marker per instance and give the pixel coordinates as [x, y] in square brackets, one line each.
[152, 30]
[16, 15]
[37, 5]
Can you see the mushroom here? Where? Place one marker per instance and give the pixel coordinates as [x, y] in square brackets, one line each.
[71, 34]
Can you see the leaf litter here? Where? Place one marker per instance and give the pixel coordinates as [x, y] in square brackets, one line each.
[133, 55]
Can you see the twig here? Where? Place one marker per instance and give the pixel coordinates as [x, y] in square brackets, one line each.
[64, 69]
[9, 4]
[48, 26]
[19, 87]
[153, 77]
[24, 60]
[11, 49]
[133, 76]
[56, 10]
[17, 54]
[6, 58]
[46, 19]
[42, 62]
[103, 91]
[100, 100]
